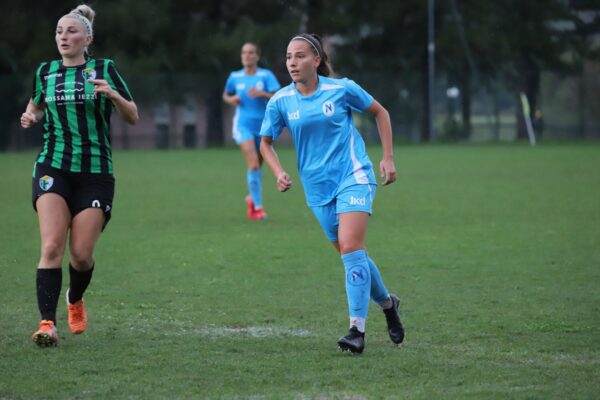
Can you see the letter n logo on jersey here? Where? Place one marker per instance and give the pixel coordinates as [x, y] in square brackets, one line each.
[46, 182]
[328, 108]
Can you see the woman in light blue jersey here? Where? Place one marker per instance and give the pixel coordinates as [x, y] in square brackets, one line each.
[336, 172]
[249, 89]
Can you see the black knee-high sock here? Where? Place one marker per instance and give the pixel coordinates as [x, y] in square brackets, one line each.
[79, 282]
[48, 283]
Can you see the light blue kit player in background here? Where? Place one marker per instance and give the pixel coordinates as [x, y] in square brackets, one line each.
[249, 89]
[336, 172]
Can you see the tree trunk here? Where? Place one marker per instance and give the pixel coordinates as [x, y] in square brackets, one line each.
[581, 100]
[496, 105]
[425, 134]
[214, 132]
[465, 102]
[10, 112]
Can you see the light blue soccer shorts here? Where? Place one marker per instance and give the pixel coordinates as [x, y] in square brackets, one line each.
[247, 129]
[350, 199]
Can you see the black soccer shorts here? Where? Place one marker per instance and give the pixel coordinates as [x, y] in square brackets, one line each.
[80, 190]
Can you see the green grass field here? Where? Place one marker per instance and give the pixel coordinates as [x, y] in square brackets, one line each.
[494, 250]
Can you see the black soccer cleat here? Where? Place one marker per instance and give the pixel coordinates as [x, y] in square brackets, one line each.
[354, 341]
[394, 325]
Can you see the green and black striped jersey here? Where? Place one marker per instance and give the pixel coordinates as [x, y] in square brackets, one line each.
[77, 122]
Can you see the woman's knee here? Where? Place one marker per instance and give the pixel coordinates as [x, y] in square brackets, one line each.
[252, 161]
[53, 251]
[350, 246]
[81, 255]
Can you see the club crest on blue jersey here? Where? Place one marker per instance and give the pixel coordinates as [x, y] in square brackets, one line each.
[260, 85]
[46, 182]
[328, 108]
[357, 276]
[88, 73]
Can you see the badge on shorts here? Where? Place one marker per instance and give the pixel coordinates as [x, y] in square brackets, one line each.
[46, 182]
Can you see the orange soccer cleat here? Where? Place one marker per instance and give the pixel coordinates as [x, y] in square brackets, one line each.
[77, 316]
[46, 335]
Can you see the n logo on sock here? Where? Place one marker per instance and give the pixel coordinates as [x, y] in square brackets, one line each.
[357, 276]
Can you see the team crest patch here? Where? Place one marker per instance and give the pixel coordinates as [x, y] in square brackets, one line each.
[46, 182]
[88, 73]
[328, 108]
[260, 85]
[357, 276]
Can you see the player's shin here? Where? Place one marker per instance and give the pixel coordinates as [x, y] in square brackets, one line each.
[379, 293]
[48, 284]
[79, 281]
[358, 287]
[255, 186]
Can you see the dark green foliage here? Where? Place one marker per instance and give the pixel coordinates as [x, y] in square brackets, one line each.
[503, 43]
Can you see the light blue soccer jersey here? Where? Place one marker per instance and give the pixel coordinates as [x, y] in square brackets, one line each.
[330, 151]
[238, 83]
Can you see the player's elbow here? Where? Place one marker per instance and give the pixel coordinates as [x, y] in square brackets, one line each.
[263, 148]
[265, 145]
[132, 117]
[382, 113]
[378, 110]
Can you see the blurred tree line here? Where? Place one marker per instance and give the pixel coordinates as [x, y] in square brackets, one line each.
[484, 43]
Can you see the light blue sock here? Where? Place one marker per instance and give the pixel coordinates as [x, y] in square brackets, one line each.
[378, 291]
[255, 186]
[358, 282]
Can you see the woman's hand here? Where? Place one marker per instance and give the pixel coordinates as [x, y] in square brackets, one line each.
[28, 119]
[255, 92]
[127, 109]
[101, 86]
[283, 181]
[387, 170]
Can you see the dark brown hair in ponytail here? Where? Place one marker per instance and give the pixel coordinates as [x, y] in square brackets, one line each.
[316, 45]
